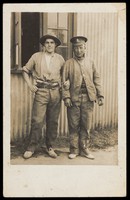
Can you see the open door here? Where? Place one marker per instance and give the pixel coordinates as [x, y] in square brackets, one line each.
[30, 35]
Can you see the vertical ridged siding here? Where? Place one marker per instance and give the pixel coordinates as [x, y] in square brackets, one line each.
[21, 106]
[101, 31]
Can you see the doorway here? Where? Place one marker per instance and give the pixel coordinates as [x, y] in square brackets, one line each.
[30, 35]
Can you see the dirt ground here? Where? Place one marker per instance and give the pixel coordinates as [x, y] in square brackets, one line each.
[104, 147]
[107, 156]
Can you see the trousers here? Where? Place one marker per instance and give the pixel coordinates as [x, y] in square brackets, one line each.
[79, 122]
[46, 108]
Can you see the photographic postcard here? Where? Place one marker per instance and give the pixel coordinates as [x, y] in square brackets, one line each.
[105, 26]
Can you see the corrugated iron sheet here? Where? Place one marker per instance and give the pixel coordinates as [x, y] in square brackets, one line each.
[101, 29]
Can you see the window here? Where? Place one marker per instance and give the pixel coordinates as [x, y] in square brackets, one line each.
[27, 28]
[61, 25]
[15, 40]
[25, 33]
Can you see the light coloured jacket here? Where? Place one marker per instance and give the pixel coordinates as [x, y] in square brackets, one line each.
[38, 67]
[73, 72]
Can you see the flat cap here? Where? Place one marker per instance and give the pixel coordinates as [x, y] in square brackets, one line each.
[43, 39]
[78, 40]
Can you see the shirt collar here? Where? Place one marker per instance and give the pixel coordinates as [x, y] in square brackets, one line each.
[79, 59]
[52, 55]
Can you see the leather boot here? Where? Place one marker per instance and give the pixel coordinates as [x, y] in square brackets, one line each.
[87, 154]
[84, 149]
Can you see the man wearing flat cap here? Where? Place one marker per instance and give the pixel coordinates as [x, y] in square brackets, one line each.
[45, 67]
[81, 88]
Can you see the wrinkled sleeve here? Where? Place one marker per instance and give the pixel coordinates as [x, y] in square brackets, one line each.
[65, 79]
[29, 67]
[97, 81]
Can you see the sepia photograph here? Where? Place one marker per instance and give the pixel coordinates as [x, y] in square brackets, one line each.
[65, 100]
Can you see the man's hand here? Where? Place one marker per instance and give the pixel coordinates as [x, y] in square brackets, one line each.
[33, 88]
[68, 102]
[100, 101]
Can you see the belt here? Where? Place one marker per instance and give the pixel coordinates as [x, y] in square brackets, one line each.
[48, 85]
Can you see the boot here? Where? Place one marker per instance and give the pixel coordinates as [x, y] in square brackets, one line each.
[87, 154]
[52, 153]
[84, 144]
[28, 154]
[72, 155]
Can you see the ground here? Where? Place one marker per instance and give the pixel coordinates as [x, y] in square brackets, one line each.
[103, 145]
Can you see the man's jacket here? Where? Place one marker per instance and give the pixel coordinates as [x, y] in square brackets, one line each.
[74, 72]
[38, 67]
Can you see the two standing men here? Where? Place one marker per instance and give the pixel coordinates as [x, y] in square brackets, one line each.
[80, 88]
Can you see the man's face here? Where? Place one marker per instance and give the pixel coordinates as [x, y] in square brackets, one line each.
[50, 45]
[79, 50]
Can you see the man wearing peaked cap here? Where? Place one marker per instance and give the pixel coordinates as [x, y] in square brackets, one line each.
[81, 88]
[78, 40]
[45, 67]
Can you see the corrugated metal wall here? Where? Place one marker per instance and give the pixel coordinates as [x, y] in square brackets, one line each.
[21, 104]
[101, 31]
